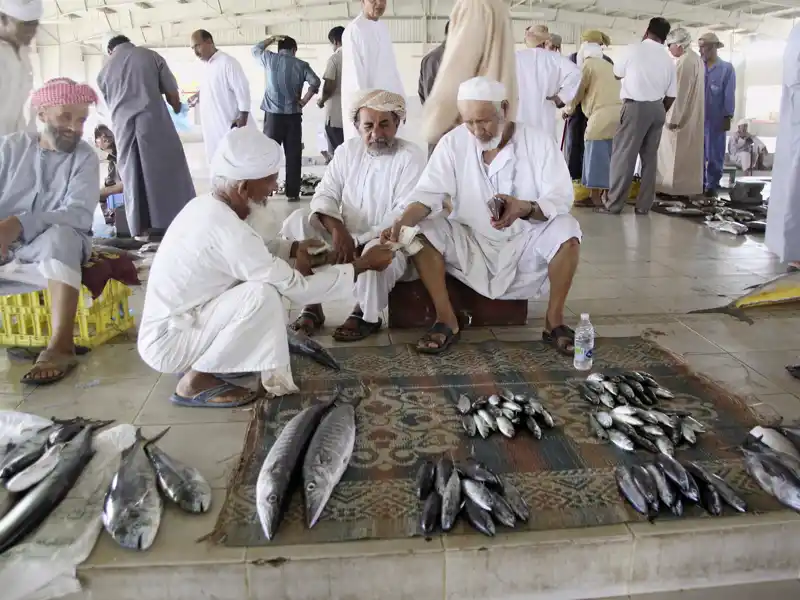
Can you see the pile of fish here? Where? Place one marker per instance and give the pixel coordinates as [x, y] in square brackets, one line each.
[718, 214]
[469, 489]
[657, 431]
[38, 473]
[773, 461]
[503, 412]
[635, 388]
[315, 447]
[666, 485]
[308, 183]
[132, 508]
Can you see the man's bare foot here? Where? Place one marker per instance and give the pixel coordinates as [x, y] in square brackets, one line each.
[194, 384]
[51, 365]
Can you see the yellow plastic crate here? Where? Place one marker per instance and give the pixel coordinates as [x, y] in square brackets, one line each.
[25, 318]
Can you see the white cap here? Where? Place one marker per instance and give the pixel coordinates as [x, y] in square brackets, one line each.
[22, 10]
[584, 316]
[482, 88]
[246, 153]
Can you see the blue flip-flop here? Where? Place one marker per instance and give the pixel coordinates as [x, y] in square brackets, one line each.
[203, 399]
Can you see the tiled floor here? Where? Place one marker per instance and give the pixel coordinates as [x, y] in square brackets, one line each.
[779, 590]
[638, 275]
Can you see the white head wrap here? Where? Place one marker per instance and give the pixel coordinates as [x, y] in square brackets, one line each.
[741, 122]
[588, 50]
[482, 88]
[22, 10]
[679, 36]
[246, 154]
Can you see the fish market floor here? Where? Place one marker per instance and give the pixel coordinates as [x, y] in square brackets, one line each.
[637, 275]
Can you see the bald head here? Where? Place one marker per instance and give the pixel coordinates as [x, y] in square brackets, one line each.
[203, 45]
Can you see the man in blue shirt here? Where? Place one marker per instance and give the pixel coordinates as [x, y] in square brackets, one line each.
[284, 101]
[720, 105]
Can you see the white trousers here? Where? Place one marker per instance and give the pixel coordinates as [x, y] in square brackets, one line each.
[743, 159]
[241, 331]
[55, 255]
[372, 287]
[466, 258]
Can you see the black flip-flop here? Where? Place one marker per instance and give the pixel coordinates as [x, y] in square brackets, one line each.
[438, 328]
[203, 399]
[560, 333]
[316, 320]
[363, 329]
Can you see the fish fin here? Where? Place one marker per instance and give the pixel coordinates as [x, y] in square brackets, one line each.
[152, 440]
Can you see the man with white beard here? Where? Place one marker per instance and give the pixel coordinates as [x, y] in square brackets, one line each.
[364, 190]
[547, 81]
[510, 234]
[368, 59]
[214, 302]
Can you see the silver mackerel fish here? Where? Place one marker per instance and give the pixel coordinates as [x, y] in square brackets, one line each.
[182, 484]
[327, 458]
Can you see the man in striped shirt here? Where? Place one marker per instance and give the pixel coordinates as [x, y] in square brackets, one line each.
[284, 100]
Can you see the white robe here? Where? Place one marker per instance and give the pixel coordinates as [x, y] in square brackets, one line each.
[368, 62]
[367, 193]
[214, 297]
[510, 263]
[224, 93]
[542, 74]
[16, 84]
[783, 216]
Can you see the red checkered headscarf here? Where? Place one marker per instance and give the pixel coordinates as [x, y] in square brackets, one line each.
[61, 91]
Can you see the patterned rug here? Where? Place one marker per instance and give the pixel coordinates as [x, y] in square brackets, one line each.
[410, 416]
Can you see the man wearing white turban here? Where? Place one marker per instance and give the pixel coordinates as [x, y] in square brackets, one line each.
[364, 190]
[214, 296]
[745, 150]
[19, 20]
[510, 234]
[680, 153]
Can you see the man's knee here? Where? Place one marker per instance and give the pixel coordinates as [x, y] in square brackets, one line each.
[297, 226]
[256, 296]
[64, 243]
[435, 233]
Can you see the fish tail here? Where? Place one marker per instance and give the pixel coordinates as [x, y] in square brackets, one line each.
[152, 440]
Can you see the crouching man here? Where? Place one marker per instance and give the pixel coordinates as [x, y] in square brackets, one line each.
[364, 190]
[529, 248]
[48, 191]
[214, 296]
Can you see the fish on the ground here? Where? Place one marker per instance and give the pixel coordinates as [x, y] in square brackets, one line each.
[773, 439]
[451, 501]
[774, 477]
[792, 434]
[35, 506]
[677, 508]
[620, 440]
[630, 490]
[604, 418]
[665, 446]
[505, 427]
[478, 493]
[693, 491]
[487, 418]
[533, 426]
[547, 418]
[34, 473]
[727, 493]
[182, 484]
[464, 404]
[426, 475]
[646, 484]
[282, 464]
[327, 458]
[481, 426]
[132, 508]
[494, 400]
[709, 497]
[444, 468]
[675, 472]
[479, 517]
[474, 470]
[27, 452]
[502, 510]
[430, 513]
[516, 501]
[597, 429]
[468, 423]
[303, 345]
[665, 491]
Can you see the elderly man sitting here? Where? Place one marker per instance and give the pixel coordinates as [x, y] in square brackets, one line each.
[745, 150]
[48, 190]
[531, 242]
[214, 296]
[364, 190]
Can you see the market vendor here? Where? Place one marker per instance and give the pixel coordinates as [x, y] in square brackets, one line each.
[111, 193]
[48, 190]
[531, 248]
[364, 189]
[214, 301]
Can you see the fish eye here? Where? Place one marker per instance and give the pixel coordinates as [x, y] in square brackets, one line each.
[311, 486]
[272, 499]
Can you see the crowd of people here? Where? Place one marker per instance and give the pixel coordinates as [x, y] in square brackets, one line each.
[490, 204]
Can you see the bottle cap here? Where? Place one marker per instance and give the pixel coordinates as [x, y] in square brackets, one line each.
[584, 316]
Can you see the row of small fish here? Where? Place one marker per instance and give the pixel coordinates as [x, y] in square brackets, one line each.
[132, 508]
[775, 471]
[635, 388]
[317, 443]
[666, 484]
[503, 412]
[470, 489]
[628, 426]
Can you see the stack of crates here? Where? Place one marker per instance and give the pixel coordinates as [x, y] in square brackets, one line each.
[25, 318]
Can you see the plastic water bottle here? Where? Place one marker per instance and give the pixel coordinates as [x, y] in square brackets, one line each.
[584, 344]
